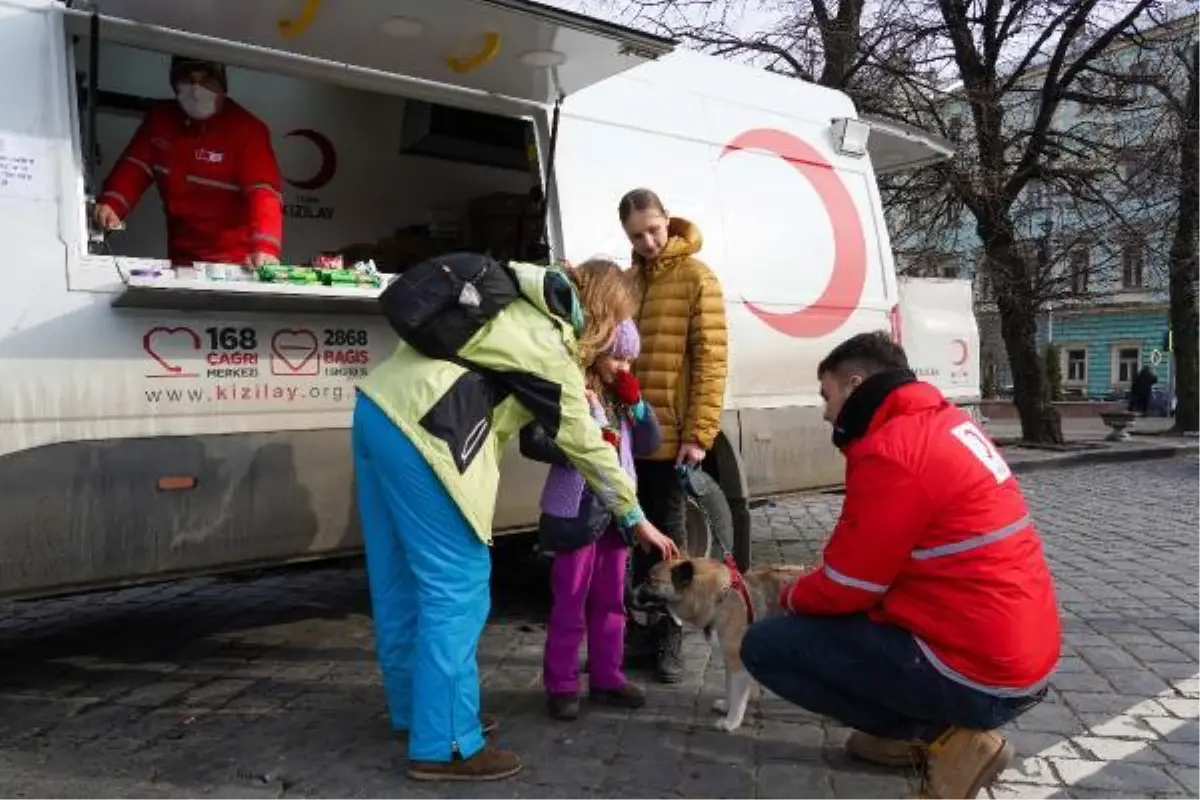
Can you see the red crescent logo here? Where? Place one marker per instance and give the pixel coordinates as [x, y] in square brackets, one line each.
[843, 293]
[961, 344]
[896, 324]
[328, 160]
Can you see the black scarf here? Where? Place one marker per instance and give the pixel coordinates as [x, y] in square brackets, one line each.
[860, 407]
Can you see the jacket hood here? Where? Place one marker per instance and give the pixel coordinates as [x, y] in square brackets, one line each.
[683, 240]
[549, 291]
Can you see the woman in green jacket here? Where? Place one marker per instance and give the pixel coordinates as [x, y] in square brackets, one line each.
[428, 436]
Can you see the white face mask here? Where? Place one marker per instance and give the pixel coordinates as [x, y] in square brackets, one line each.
[196, 101]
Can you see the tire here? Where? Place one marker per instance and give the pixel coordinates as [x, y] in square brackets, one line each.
[710, 532]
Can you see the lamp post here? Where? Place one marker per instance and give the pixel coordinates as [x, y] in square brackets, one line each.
[1047, 226]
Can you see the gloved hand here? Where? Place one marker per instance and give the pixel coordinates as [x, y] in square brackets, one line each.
[626, 388]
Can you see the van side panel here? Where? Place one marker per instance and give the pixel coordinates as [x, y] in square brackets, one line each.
[793, 230]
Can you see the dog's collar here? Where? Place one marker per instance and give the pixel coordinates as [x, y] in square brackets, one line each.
[738, 584]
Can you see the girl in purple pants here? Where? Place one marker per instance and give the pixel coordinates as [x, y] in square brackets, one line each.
[590, 551]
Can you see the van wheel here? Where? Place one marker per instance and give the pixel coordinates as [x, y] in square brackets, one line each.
[709, 520]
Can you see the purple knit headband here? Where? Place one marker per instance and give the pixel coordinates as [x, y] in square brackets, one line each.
[626, 343]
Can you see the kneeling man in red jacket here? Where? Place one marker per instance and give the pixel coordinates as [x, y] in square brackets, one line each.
[931, 620]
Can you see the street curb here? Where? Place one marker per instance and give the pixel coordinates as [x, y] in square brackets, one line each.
[1114, 456]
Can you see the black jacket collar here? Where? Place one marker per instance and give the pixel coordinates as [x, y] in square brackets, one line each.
[860, 407]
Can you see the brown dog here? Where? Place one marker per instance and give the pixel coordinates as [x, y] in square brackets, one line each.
[701, 592]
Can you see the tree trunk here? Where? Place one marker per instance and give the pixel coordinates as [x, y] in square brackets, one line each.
[1040, 420]
[1184, 266]
[840, 39]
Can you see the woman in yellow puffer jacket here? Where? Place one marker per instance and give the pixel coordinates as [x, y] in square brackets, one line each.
[682, 370]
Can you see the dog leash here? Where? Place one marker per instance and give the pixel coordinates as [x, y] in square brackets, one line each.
[738, 584]
[736, 581]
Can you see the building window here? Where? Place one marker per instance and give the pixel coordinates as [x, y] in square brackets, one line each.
[1133, 263]
[1127, 360]
[1075, 359]
[932, 264]
[1080, 266]
[1138, 72]
[1136, 169]
[954, 126]
[1038, 194]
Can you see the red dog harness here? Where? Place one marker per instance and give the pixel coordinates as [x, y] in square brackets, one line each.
[738, 584]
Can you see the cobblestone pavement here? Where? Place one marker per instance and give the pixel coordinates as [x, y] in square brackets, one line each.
[264, 686]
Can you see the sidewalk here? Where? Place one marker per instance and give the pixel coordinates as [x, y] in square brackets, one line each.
[1086, 443]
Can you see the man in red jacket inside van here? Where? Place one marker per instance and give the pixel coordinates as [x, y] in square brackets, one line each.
[931, 620]
[215, 170]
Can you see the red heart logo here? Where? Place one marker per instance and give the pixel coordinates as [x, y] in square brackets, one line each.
[295, 348]
[160, 332]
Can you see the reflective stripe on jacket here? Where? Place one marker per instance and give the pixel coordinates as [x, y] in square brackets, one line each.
[218, 180]
[935, 537]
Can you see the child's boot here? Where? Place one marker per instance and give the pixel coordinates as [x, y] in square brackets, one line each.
[628, 696]
[563, 706]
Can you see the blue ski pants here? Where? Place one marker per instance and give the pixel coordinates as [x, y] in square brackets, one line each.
[429, 576]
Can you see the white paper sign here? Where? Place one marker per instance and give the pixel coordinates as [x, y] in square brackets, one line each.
[24, 168]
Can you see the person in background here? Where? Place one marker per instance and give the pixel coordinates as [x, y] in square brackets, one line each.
[931, 619]
[590, 552]
[428, 435]
[215, 170]
[1140, 391]
[682, 369]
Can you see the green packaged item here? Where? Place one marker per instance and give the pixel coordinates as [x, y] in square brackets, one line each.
[302, 275]
[339, 277]
[271, 274]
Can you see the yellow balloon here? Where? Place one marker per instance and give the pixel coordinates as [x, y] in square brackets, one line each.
[294, 27]
[491, 46]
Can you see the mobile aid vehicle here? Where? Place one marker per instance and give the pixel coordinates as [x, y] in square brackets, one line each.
[156, 423]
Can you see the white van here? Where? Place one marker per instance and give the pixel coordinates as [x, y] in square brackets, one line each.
[162, 426]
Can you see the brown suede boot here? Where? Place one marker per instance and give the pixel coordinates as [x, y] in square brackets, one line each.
[963, 761]
[886, 752]
[486, 765]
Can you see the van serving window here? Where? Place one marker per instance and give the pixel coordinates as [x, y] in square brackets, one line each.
[386, 154]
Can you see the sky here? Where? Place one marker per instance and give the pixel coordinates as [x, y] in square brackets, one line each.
[760, 15]
[754, 16]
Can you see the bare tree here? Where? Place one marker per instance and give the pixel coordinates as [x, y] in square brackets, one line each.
[1170, 148]
[995, 77]
[852, 45]
[1022, 64]
[1184, 268]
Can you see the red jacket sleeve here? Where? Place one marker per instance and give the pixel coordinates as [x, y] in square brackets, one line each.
[258, 175]
[884, 512]
[132, 174]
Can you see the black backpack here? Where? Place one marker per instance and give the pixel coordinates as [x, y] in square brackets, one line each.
[439, 304]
